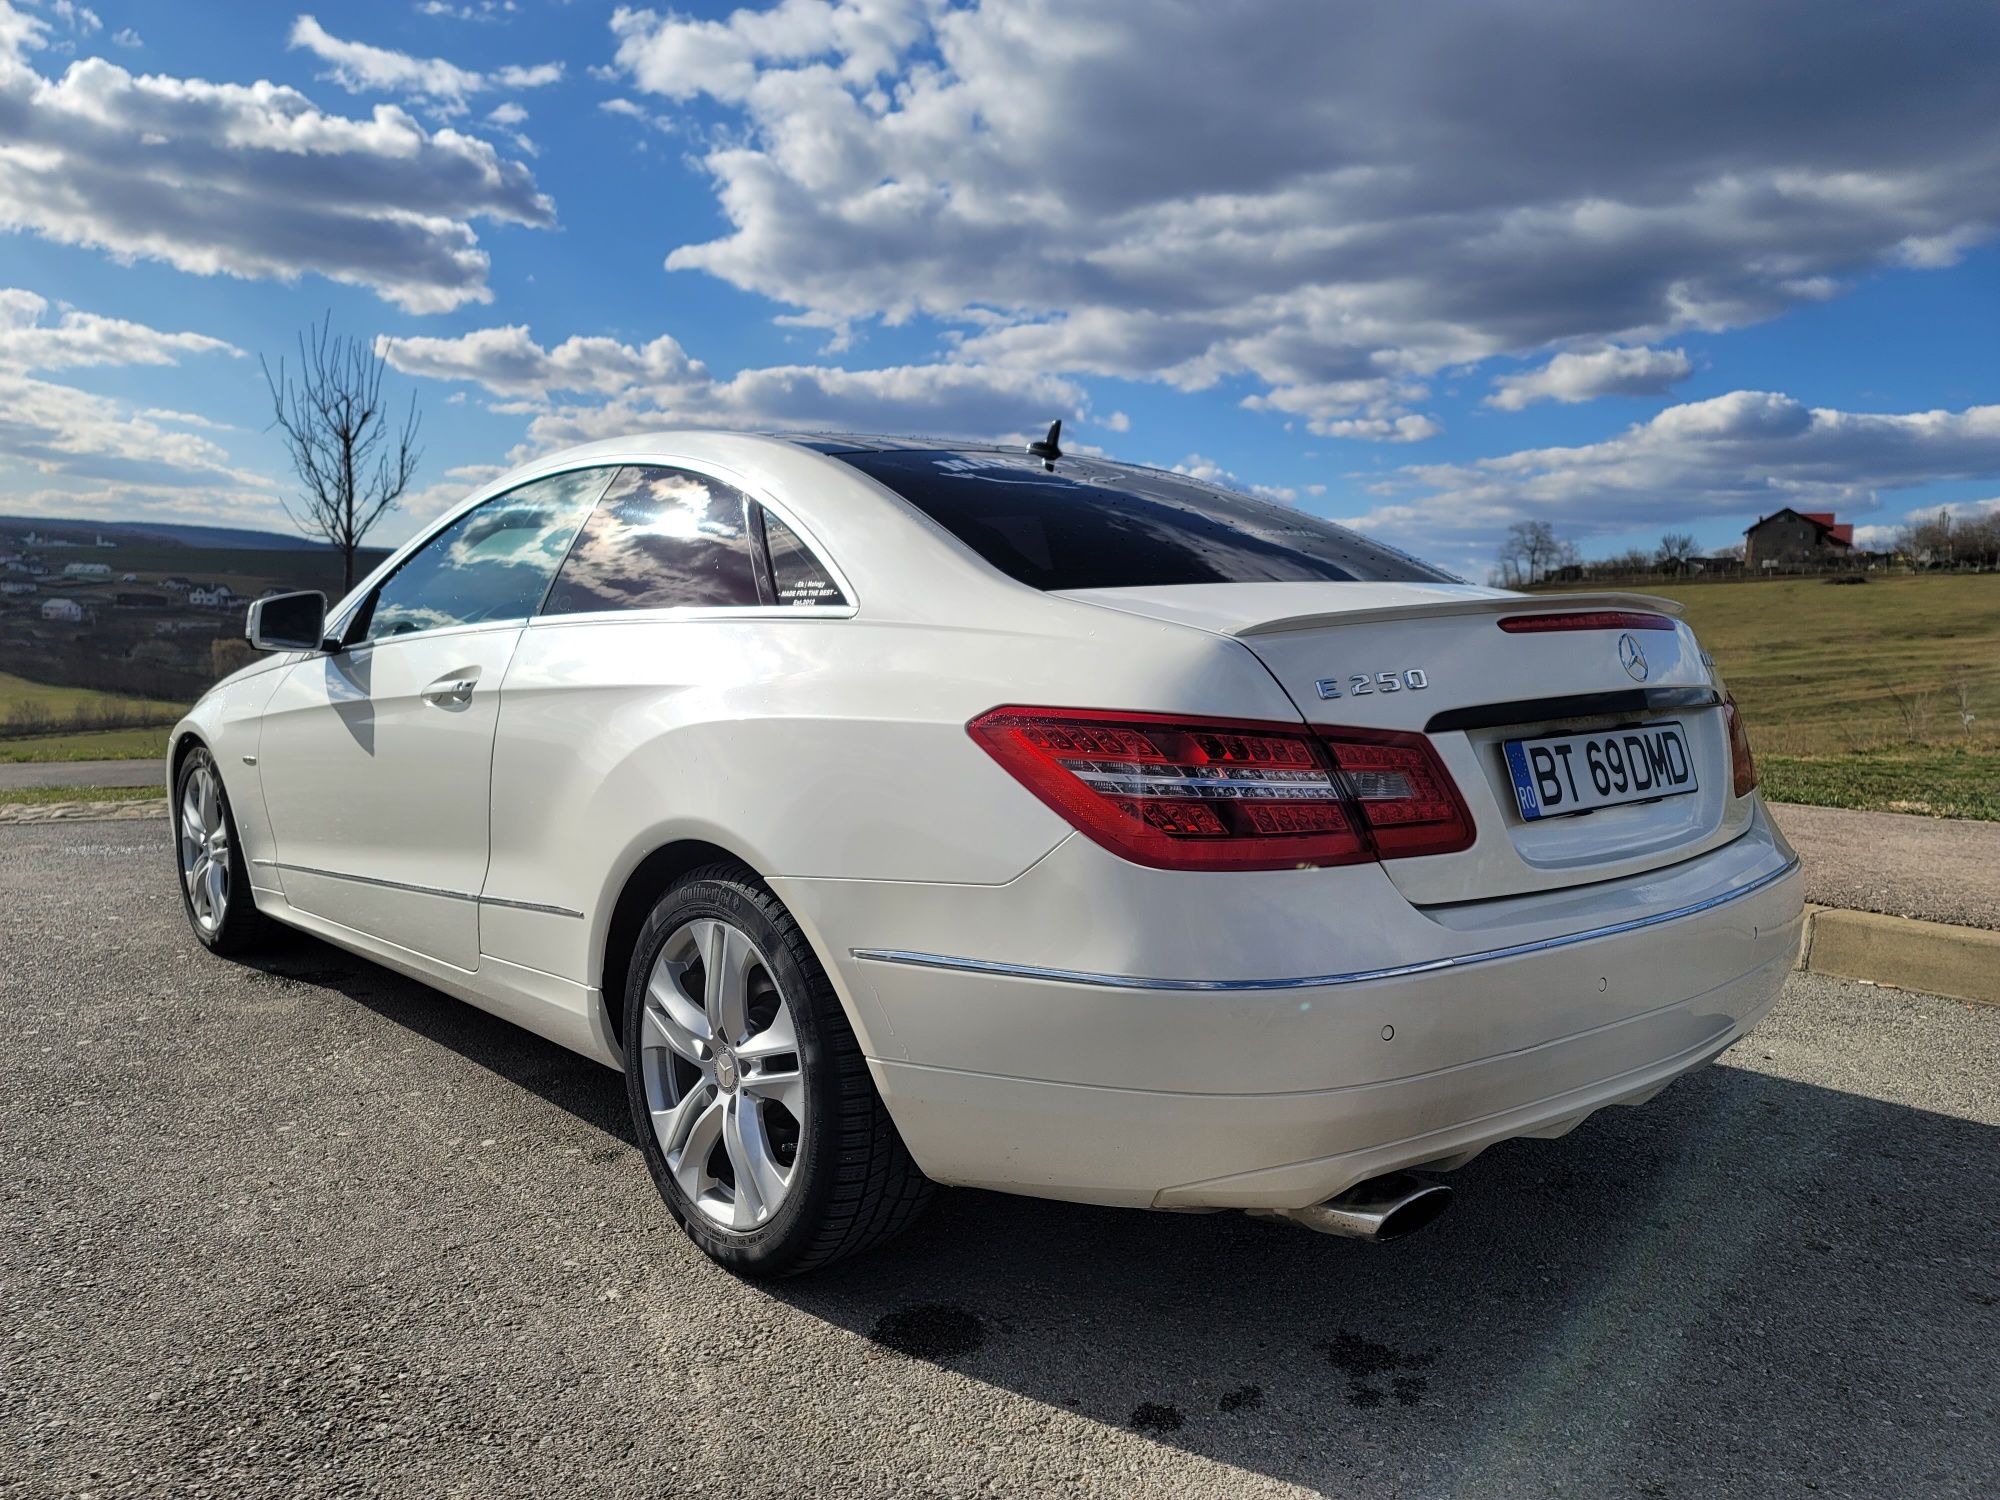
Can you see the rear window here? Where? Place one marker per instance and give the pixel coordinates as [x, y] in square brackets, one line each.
[1099, 525]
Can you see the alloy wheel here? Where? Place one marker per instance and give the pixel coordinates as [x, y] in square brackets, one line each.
[204, 849]
[720, 1057]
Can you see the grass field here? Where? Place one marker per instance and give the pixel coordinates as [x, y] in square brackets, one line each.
[42, 796]
[1855, 696]
[62, 703]
[96, 744]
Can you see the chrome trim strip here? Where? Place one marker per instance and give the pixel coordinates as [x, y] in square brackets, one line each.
[389, 885]
[1316, 981]
[423, 890]
[540, 906]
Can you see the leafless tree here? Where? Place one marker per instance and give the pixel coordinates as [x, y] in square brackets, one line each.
[1533, 551]
[353, 464]
[1676, 547]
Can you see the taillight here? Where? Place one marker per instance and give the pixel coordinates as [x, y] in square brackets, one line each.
[1742, 764]
[1212, 794]
[1405, 795]
[1585, 619]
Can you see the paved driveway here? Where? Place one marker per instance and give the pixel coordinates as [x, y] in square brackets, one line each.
[309, 1228]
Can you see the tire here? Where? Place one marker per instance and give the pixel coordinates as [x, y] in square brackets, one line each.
[213, 879]
[749, 1094]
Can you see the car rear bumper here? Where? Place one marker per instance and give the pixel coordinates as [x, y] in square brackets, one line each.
[1289, 1078]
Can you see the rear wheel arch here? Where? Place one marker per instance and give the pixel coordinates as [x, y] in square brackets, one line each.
[641, 891]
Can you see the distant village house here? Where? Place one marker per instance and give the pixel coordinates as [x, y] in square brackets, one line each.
[1791, 538]
[64, 611]
[212, 595]
[86, 570]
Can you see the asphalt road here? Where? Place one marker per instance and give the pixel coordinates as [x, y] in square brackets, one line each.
[1934, 869]
[311, 1229]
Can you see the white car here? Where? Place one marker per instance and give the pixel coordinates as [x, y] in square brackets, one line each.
[897, 813]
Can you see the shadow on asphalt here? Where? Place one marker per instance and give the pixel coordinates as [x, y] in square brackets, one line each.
[1748, 1285]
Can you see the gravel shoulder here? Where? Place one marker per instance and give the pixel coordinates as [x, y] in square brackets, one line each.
[307, 1228]
[1934, 869]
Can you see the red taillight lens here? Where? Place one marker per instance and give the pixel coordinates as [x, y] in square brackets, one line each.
[1212, 794]
[1403, 792]
[1180, 794]
[1742, 764]
[1585, 619]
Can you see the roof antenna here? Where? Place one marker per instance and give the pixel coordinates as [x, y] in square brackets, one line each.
[1047, 450]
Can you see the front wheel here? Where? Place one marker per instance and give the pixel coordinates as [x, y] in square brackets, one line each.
[214, 881]
[752, 1101]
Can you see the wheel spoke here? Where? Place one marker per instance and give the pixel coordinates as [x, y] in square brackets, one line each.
[760, 1182]
[197, 884]
[783, 1086]
[726, 957]
[680, 1028]
[218, 888]
[672, 1122]
[211, 813]
[697, 1121]
[774, 1040]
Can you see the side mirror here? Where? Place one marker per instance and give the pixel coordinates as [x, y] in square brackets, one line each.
[288, 622]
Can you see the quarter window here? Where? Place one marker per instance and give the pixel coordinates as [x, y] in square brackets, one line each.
[800, 577]
[492, 563]
[659, 539]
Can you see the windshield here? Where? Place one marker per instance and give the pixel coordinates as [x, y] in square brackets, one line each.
[1099, 525]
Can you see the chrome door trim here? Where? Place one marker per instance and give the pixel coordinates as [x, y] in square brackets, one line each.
[1315, 981]
[420, 890]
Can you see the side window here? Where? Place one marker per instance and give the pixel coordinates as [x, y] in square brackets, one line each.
[492, 563]
[799, 576]
[659, 538]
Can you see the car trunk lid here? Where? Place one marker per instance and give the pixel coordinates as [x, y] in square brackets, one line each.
[1434, 659]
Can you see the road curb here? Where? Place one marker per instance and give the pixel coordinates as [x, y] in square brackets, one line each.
[1962, 962]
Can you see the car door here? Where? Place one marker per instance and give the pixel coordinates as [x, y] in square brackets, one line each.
[377, 758]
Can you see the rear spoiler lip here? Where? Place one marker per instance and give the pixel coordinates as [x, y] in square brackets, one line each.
[1514, 604]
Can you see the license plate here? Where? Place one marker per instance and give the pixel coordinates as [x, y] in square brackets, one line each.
[1560, 774]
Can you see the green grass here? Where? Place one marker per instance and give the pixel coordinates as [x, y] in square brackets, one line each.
[1944, 784]
[98, 744]
[1854, 695]
[62, 703]
[42, 796]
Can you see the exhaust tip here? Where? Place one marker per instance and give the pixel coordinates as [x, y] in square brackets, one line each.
[1415, 1212]
[1390, 1207]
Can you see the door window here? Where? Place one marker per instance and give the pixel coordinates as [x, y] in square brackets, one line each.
[492, 563]
[660, 539]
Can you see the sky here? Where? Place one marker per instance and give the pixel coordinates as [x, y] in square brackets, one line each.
[1426, 269]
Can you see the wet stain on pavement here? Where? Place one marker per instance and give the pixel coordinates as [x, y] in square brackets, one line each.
[1151, 1416]
[1370, 1366]
[930, 1330]
[1244, 1398]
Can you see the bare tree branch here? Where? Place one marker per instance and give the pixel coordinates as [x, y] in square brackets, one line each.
[352, 464]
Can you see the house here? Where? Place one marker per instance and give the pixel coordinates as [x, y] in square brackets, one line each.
[17, 586]
[176, 584]
[212, 596]
[86, 570]
[1793, 538]
[65, 611]
[128, 577]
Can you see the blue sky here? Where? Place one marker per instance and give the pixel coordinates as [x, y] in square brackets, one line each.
[1430, 269]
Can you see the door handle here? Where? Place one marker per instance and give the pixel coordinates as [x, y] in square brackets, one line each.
[448, 692]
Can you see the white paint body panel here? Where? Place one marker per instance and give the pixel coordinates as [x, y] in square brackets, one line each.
[483, 847]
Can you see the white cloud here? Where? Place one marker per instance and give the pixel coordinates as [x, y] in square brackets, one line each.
[1584, 376]
[1210, 472]
[27, 342]
[509, 113]
[1741, 455]
[633, 388]
[360, 68]
[82, 442]
[1160, 191]
[125, 36]
[248, 180]
[79, 18]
